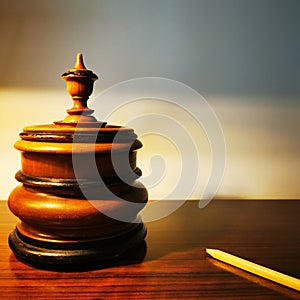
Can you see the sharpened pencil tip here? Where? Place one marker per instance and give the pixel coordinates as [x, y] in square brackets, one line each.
[210, 251]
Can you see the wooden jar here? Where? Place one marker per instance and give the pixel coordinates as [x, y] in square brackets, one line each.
[68, 218]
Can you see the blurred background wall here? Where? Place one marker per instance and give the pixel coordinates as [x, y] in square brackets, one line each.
[242, 56]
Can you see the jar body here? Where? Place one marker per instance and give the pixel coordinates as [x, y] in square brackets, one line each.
[60, 226]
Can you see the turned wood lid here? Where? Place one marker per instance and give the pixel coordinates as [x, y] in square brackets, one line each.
[79, 126]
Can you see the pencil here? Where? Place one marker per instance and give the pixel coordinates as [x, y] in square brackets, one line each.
[256, 269]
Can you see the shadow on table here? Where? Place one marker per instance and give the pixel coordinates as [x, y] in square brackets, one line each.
[189, 227]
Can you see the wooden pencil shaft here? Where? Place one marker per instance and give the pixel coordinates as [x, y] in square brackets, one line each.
[255, 268]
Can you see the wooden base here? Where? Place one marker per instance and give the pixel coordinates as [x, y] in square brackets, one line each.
[82, 255]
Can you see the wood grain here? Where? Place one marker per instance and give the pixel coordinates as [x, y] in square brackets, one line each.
[175, 266]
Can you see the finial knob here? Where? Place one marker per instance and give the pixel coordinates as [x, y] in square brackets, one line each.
[79, 64]
[80, 83]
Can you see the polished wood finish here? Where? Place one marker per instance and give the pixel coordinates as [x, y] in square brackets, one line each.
[175, 265]
[75, 175]
[79, 83]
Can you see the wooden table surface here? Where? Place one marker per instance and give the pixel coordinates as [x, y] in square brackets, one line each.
[175, 265]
